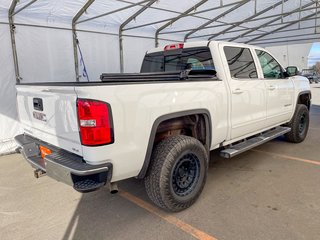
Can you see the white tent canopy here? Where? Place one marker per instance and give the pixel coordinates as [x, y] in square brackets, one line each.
[113, 36]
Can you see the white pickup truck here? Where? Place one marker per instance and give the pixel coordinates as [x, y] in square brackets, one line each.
[160, 125]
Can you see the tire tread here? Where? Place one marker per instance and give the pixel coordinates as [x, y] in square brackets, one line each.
[156, 182]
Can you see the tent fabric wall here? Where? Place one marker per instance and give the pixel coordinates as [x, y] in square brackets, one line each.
[47, 55]
[44, 54]
[100, 53]
[9, 125]
[292, 55]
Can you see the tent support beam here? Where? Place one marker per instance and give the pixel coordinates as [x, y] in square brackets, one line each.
[24, 7]
[195, 14]
[272, 21]
[247, 19]
[114, 11]
[280, 28]
[136, 14]
[286, 37]
[176, 12]
[215, 19]
[288, 30]
[13, 40]
[316, 20]
[193, 8]
[87, 31]
[12, 12]
[290, 40]
[240, 30]
[75, 38]
[300, 12]
[232, 23]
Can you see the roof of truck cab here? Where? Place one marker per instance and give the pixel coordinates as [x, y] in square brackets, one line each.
[185, 45]
[199, 44]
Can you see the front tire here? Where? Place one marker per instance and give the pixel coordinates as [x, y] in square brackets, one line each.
[299, 125]
[177, 173]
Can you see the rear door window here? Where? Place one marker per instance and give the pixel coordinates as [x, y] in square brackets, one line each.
[241, 63]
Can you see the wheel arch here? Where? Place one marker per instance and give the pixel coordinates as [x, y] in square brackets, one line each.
[161, 119]
[304, 97]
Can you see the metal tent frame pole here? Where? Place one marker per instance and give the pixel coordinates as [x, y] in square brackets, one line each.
[114, 11]
[75, 38]
[195, 15]
[247, 19]
[193, 8]
[286, 37]
[12, 12]
[13, 40]
[191, 12]
[280, 28]
[288, 30]
[272, 21]
[232, 23]
[176, 12]
[215, 18]
[24, 7]
[136, 14]
[291, 40]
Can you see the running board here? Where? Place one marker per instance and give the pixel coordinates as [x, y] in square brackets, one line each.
[247, 144]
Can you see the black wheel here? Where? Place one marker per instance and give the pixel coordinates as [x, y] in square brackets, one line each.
[177, 173]
[299, 125]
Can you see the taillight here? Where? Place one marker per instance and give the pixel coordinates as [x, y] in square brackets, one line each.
[173, 46]
[95, 122]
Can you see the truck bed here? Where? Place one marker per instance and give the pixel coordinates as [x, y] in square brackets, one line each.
[136, 78]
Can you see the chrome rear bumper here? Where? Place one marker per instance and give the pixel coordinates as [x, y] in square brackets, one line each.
[64, 166]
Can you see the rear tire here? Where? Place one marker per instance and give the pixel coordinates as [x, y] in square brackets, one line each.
[177, 173]
[299, 125]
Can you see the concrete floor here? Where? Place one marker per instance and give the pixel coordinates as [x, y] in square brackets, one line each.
[269, 193]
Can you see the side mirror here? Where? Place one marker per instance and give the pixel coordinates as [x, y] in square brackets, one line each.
[292, 71]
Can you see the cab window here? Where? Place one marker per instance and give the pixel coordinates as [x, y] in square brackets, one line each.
[184, 59]
[270, 67]
[241, 63]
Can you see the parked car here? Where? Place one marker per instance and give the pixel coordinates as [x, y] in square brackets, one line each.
[160, 125]
[311, 75]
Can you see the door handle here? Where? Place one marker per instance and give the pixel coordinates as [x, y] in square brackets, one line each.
[237, 91]
[271, 87]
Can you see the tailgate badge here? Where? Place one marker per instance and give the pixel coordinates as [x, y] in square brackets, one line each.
[40, 116]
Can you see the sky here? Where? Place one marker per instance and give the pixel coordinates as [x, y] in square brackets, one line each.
[314, 55]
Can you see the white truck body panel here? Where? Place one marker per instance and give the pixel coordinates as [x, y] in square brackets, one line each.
[135, 108]
[238, 109]
[60, 126]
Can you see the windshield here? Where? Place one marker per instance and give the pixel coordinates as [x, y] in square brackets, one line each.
[178, 60]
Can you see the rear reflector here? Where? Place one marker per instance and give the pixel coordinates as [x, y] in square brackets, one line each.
[44, 151]
[173, 46]
[95, 122]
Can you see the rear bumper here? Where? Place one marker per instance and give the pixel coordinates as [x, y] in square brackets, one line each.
[64, 166]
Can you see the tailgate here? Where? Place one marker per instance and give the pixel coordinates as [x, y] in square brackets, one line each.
[49, 113]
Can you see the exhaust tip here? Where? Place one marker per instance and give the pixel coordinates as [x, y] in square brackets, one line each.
[113, 187]
[114, 191]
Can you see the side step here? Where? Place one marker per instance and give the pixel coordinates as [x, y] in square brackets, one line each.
[247, 144]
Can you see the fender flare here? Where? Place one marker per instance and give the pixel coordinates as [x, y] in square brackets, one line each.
[302, 93]
[165, 117]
